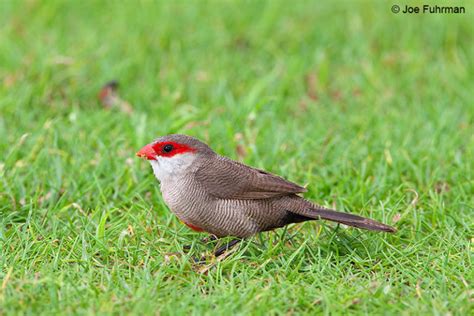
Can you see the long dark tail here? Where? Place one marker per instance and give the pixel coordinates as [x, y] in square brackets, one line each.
[349, 219]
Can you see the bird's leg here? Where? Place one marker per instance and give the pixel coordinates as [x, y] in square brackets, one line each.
[226, 247]
[221, 250]
[209, 239]
[205, 240]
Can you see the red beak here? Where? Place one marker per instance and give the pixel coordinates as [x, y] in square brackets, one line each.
[147, 152]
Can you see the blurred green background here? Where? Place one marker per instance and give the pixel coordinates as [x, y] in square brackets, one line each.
[372, 110]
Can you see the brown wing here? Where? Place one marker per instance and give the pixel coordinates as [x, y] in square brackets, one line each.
[228, 179]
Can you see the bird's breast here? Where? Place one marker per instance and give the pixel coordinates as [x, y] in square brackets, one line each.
[186, 200]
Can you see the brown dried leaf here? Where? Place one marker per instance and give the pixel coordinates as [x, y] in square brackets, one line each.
[441, 187]
[356, 92]
[418, 288]
[109, 98]
[311, 86]
[202, 76]
[355, 301]
[239, 148]
[238, 137]
[241, 151]
[415, 199]
[62, 60]
[79, 208]
[241, 42]
[170, 255]
[222, 257]
[130, 230]
[303, 106]
[336, 95]
[10, 80]
[7, 278]
[125, 107]
[44, 198]
[396, 218]
[129, 162]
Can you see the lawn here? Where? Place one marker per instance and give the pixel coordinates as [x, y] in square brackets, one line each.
[373, 111]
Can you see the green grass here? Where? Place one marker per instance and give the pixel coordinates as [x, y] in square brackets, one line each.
[389, 134]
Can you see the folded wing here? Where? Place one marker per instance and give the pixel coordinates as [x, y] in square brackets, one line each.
[227, 179]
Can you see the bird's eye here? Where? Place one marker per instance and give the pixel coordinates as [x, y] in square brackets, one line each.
[168, 148]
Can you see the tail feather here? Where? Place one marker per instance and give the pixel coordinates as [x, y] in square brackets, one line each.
[349, 219]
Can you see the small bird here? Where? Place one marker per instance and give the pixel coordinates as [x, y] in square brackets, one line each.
[214, 194]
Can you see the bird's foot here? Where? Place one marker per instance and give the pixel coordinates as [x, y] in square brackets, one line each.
[222, 249]
[209, 239]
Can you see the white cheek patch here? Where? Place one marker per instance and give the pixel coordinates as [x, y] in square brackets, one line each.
[167, 167]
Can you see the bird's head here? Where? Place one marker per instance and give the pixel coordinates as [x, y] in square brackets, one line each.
[173, 155]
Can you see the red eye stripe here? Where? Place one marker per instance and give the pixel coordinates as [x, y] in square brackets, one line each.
[177, 149]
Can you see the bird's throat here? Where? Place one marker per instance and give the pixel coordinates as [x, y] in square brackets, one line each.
[167, 168]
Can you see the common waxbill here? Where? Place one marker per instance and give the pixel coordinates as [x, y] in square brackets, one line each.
[214, 194]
